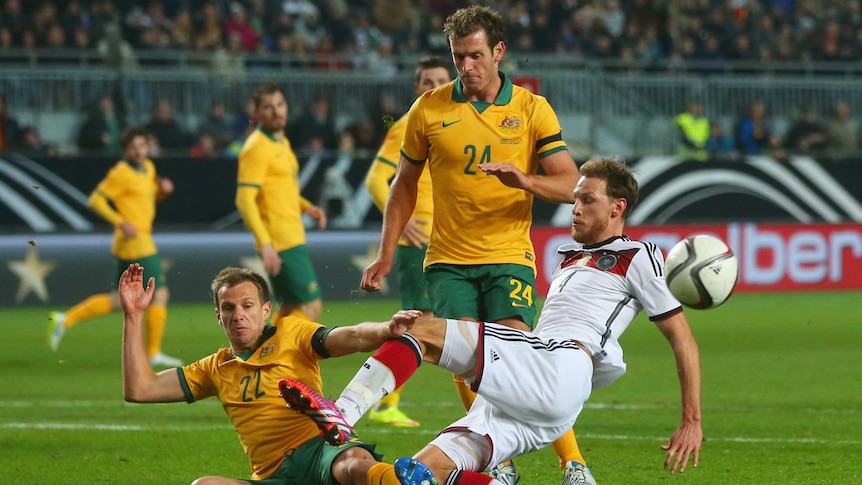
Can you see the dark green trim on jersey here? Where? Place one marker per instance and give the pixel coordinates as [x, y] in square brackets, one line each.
[412, 161]
[318, 341]
[387, 162]
[504, 98]
[269, 135]
[246, 184]
[185, 385]
[136, 168]
[552, 151]
[268, 331]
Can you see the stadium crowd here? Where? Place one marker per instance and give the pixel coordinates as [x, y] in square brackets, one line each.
[643, 30]
[367, 34]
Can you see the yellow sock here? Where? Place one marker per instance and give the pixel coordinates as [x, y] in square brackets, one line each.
[92, 307]
[390, 400]
[381, 474]
[464, 392]
[155, 317]
[566, 447]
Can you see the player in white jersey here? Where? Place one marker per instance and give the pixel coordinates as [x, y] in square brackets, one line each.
[601, 282]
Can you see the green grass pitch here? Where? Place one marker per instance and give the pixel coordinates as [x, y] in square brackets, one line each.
[782, 401]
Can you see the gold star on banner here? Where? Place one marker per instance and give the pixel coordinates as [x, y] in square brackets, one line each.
[361, 261]
[32, 273]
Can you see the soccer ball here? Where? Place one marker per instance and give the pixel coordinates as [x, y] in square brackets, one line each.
[701, 271]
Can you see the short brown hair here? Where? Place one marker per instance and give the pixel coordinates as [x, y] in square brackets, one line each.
[619, 180]
[470, 19]
[129, 135]
[233, 276]
[429, 62]
[264, 89]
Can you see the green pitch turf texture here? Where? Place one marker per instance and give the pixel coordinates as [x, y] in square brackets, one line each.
[782, 401]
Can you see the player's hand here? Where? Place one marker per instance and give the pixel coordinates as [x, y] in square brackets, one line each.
[372, 277]
[402, 321]
[317, 213]
[510, 175]
[134, 298]
[684, 443]
[414, 232]
[271, 259]
[129, 229]
[166, 186]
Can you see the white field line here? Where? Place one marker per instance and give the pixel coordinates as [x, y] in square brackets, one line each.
[411, 431]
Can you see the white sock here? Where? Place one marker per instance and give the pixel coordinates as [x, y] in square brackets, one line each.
[371, 383]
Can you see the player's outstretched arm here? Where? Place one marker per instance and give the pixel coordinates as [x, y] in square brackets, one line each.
[686, 440]
[368, 336]
[399, 208]
[140, 384]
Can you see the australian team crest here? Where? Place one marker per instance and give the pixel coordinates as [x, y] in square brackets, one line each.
[266, 350]
[510, 125]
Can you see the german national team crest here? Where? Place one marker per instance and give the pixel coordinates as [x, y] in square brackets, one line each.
[510, 125]
[606, 262]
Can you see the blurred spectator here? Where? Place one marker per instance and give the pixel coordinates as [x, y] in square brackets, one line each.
[6, 40]
[720, 146]
[806, 135]
[75, 17]
[101, 128]
[316, 125]
[692, 129]
[205, 147]
[754, 130]
[55, 37]
[237, 24]
[181, 30]
[32, 145]
[116, 52]
[208, 27]
[217, 125]
[841, 132]
[81, 39]
[14, 19]
[244, 121]
[10, 130]
[148, 26]
[166, 129]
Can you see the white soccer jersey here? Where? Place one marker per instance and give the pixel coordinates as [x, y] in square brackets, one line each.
[595, 293]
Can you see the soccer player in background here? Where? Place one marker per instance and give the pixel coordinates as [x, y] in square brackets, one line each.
[269, 200]
[126, 198]
[601, 282]
[484, 140]
[431, 72]
[283, 447]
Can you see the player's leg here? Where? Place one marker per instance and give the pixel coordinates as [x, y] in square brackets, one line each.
[510, 301]
[413, 290]
[156, 315]
[93, 307]
[454, 294]
[296, 285]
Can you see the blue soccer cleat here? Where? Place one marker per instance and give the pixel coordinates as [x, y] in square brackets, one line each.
[413, 472]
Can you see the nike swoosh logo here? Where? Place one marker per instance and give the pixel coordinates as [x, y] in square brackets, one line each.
[450, 123]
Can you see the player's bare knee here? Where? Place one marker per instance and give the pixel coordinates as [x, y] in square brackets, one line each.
[437, 461]
[161, 296]
[312, 309]
[351, 466]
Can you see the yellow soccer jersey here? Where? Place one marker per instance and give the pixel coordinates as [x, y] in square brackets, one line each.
[383, 169]
[248, 391]
[268, 196]
[477, 219]
[132, 192]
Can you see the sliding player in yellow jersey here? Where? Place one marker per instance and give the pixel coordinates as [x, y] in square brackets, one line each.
[126, 198]
[430, 72]
[269, 200]
[484, 140]
[283, 447]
